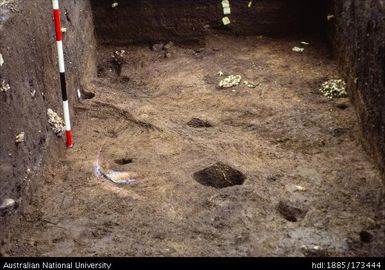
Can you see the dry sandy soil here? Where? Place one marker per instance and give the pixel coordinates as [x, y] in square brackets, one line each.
[280, 135]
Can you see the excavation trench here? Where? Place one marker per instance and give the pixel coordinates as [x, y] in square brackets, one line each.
[267, 167]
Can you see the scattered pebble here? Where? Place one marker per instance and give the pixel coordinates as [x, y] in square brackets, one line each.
[300, 188]
[249, 84]
[305, 43]
[1, 60]
[230, 81]
[298, 49]
[56, 123]
[157, 47]
[334, 89]
[20, 137]
[63, 29]
[4, 87]
[303, 247]
[220, 73]
[115, 4]
[120, 53]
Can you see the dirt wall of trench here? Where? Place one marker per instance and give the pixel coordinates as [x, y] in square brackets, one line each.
[136, 21]
[359, 39]
[28, 50]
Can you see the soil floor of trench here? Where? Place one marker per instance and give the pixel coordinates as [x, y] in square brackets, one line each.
[309, 188]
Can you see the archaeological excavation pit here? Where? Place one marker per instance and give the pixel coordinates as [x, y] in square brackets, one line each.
[219, 175]
[239, 128]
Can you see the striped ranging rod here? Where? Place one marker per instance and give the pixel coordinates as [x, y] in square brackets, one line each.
[59, 43]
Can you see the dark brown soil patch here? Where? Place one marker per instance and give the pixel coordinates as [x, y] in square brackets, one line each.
[199, 123]
[366, 237]
[123, 161]
[290, 212]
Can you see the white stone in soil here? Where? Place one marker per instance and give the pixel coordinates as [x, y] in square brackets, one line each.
[7, 203]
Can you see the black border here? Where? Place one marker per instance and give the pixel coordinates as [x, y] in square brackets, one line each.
[226, 262]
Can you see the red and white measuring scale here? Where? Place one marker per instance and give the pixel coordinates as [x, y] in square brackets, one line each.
[60, 52]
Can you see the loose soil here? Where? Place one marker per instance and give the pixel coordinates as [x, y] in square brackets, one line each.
[309, 189]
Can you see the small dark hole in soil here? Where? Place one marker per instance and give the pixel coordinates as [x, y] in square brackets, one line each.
[342, 106]
[219, 175]
[42, 140]
[199, 123]
[101, 72]
[366, 237]
[123, 161]
[88, 95]
[124, 79]
[274, 177]
[290, 212]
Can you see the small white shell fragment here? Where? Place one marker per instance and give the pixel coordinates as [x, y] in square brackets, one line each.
[20, 137]
[305, 43]
[115, 4]
[56, 123]
[226, 20]
[1, 60]
[119, 53]
[300, 188]
[7, 203]
[230, 81]
[317, 248]
[33, 93]
[334, 88]
[225, 4]
[298, 49]
[249, 84]
[250, 4]
[220, 73]
[329, 17]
